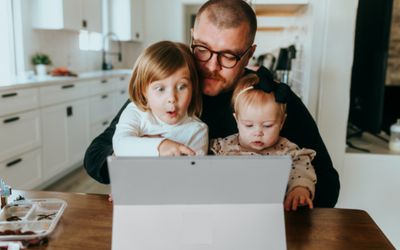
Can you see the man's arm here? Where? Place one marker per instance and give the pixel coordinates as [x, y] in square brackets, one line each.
[301, 129]
[95, 161]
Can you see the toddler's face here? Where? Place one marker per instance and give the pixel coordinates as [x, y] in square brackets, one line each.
[259, 126]
[169, 98]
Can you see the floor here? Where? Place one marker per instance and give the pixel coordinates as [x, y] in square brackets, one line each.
[79, 182]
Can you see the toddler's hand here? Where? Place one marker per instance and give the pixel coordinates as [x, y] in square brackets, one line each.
[299, 195]
[110, 198]
[171, 148]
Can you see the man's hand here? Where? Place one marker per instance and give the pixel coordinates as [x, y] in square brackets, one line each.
[171, 148]
[299, 195]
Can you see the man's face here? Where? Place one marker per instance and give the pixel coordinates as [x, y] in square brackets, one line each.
[215, 79]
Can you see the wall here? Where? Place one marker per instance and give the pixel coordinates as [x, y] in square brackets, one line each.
[63, 47]
[335, 74]
[393, 66]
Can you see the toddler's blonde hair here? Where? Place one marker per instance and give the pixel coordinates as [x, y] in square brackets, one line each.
[256, 97]
[160, 61]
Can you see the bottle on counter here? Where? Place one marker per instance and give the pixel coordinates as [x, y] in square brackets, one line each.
[394, 143]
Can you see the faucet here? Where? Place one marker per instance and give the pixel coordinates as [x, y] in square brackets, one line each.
[108, 66]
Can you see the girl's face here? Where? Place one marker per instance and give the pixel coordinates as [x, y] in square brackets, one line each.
[259, 126]
[169, 98]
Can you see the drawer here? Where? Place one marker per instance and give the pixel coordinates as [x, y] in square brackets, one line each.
[13, 101]
[121, 97]
[102, 107]
[23, 171]
[19, 133]
[123, 82]
[98, 128]
[105, 85]
[62, 93]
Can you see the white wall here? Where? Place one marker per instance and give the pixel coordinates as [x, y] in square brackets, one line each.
[335, 74]
[63, 47]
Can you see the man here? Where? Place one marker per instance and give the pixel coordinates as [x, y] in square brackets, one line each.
[222, 43]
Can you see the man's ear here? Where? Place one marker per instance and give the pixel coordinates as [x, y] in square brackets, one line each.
[251, 53]
[283, 121]
[191, 32]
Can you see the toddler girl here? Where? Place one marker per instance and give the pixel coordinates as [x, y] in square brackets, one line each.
[165, 96]
[260, 111]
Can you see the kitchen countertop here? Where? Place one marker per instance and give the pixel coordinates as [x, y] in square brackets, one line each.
[34, 81]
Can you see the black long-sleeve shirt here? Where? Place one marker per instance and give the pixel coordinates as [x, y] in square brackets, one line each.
[299, 127]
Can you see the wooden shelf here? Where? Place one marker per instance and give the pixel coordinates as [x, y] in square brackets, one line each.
[277, 9]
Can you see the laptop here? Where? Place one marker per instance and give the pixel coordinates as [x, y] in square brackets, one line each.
[199, 203]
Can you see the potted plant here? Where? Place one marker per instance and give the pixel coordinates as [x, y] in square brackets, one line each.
[40, 61]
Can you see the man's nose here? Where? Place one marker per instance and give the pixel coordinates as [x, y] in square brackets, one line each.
[213, 65]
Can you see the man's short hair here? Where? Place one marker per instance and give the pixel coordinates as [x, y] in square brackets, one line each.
[159, 61]
[227, 14]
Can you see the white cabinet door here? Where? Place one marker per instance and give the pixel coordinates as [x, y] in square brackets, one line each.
[19, 133]
[23, 171]
[73, 15]
[78, 131]
[65, 136]
[102, 107]
[55, 135]
[92, 10]
[127, 19]
[121, 98]
[56, 14]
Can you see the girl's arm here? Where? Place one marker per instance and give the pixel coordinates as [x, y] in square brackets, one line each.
[127, 140]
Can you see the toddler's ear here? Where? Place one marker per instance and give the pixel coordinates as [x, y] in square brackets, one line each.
[283, 120]
[234, 115]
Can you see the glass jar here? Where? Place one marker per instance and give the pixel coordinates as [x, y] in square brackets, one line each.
[394, 143]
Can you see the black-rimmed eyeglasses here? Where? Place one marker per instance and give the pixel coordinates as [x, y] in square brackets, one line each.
[225, 59]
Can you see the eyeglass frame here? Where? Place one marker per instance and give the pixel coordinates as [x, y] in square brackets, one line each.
[218, 54]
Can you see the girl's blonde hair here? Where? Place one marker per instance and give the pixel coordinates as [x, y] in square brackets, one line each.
[252, 96]
[160, 61]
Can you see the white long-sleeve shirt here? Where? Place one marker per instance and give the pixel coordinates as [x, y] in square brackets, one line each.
[134, 123]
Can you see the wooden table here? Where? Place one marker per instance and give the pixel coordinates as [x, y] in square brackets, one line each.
[87, 224]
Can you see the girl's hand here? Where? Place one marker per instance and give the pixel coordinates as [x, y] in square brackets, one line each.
[110, 198]
[171, 148]
[299, 195]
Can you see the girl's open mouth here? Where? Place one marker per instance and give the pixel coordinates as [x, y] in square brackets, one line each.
[172, 113]
[258, 143]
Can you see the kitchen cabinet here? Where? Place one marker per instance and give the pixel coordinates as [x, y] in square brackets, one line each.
[46, 127]
[19, 133]
[73, 15]
[127, 19]
[65, 136]
[23, 171]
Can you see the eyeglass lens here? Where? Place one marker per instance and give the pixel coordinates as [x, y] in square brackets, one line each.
[225, 59]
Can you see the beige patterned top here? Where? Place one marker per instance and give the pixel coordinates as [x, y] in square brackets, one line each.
[302, 173]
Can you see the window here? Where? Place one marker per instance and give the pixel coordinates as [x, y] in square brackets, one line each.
[90, 40]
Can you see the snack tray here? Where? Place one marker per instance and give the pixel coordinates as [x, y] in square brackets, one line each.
[37, 215]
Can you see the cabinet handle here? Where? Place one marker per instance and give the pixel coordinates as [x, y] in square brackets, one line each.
[11, 120]
[69, 111]
[104, 96]
[103, 81]
[9, 95]
[105, 123]
[84, 23]
[122, 78]
[68, 86]
[137, 35]
[13, 162]
[122, 91]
